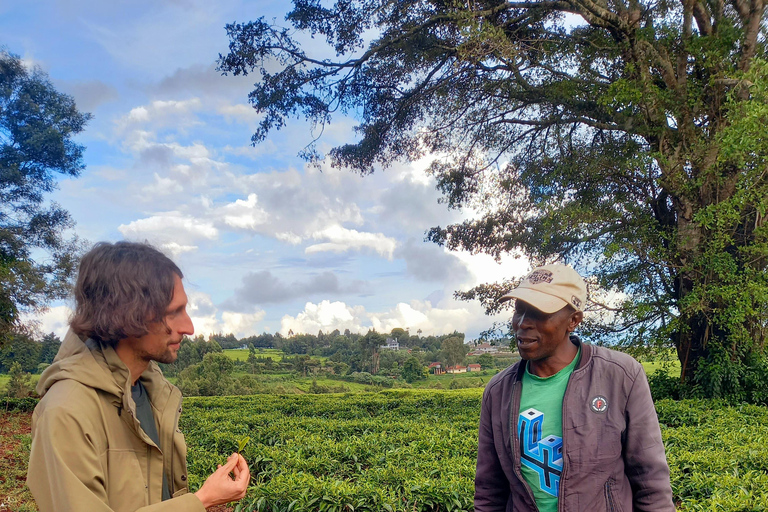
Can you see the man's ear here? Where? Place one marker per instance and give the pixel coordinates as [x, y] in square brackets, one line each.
[576, 318]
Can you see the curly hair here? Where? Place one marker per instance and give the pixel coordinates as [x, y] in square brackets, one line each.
[121, 289]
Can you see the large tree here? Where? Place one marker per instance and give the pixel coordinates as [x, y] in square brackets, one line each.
[624, 137]
[37, 126]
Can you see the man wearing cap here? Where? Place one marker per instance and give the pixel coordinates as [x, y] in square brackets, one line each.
[571, 427]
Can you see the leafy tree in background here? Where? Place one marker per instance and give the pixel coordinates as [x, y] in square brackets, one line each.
[401, 335]
[369, 345]
[19, 385]
[210, 377]
[625, 138]
[485, 361]
[413, 370]
[37, 126]
[191, 351]
[20, 349]
[454, 351]
[50, 346]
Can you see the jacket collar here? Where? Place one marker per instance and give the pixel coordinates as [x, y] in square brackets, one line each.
[98, 366]
[586, 356]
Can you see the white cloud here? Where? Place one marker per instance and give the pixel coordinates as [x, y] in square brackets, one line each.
[137, 115]
[163, 186]
[170, 227]
[414, 315]
[291, 238]
[54, 319]
[241, 112]
[89, 94]
[325, 315]
[246, 214]
[241, 324]
[341, 239]
[208, 319]
[484, 269]
[421, 315]
[267, 147]
[158, 113]
[175, 249]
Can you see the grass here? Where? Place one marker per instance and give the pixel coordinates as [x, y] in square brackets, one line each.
[284, 383]
[241, 354]
[463, 380]
[4, 378]
[672, 367]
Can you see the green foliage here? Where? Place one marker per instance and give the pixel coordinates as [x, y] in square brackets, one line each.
[415, 450]
[19, 349]
[242, 443]
[191, 351]
[717, 453]
[630, 143]
[30, 354]
[19, 385]
[37, 127]
[211, 377]
[318, 389]
[15, 442]
[367, 378]
[486, 361]
[664, 386]
[413, 370]
[368, 451]
[466, 383]
[454, 351]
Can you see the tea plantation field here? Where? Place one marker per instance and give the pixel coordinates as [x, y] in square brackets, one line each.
[414, 450]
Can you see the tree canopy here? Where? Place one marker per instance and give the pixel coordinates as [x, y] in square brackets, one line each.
[37, 126]
[626, 138]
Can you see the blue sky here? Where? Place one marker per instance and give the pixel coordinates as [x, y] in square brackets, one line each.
[266, 241]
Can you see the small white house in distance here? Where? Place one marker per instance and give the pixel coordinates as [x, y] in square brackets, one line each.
[484, 348]
[391, 344]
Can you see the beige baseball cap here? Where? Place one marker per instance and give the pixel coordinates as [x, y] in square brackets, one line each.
[550, 288]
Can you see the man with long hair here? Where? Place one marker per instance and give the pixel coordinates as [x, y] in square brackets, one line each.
[105, 434]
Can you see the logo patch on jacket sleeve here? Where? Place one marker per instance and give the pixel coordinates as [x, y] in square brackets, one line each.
[598, 404]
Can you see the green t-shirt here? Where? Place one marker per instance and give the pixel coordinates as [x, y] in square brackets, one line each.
[540, 432]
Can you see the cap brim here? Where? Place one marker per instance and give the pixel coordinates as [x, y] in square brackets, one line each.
[541, 301]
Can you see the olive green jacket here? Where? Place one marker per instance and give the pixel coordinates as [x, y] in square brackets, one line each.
[89, 452]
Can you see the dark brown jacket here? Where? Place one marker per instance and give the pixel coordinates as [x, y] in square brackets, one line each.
[613, 456]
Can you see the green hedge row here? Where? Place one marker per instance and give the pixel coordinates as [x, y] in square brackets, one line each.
[8, 404]
[415, 450]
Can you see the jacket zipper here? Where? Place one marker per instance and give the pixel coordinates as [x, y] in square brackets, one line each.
[172, 447]
[609, 496]
[561, 493]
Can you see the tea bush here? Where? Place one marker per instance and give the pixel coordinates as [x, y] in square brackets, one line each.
[415, 450]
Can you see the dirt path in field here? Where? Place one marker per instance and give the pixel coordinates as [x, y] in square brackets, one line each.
[12, 424]
[14, 427]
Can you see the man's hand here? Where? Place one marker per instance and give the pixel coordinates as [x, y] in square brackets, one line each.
[220, 488]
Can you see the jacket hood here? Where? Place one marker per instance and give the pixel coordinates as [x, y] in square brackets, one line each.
[88, 362]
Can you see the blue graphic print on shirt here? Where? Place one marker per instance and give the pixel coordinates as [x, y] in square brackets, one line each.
[543, 456]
